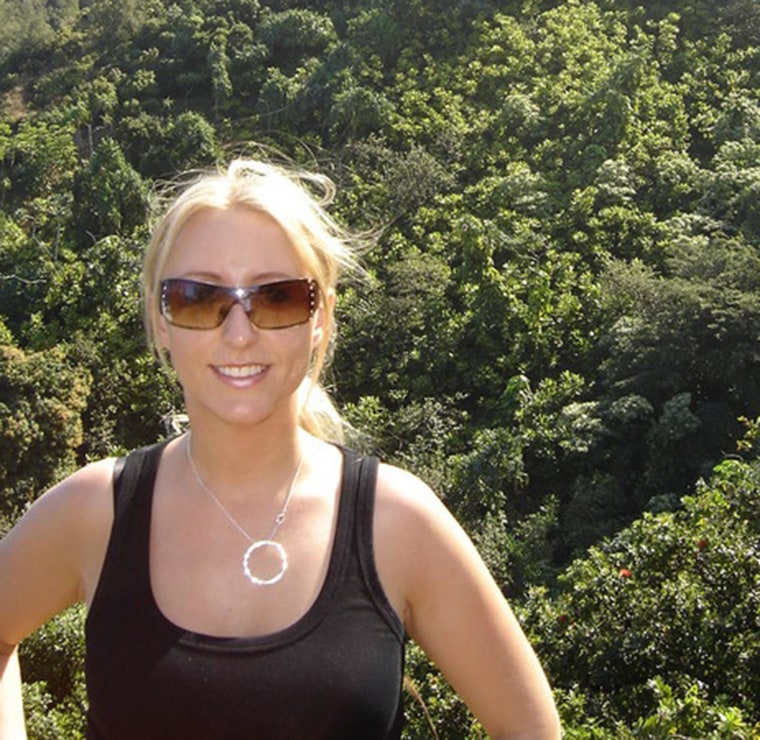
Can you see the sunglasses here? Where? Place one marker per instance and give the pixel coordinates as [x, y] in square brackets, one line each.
[190, 304]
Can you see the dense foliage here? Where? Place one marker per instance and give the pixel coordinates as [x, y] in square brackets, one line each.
[559, 328]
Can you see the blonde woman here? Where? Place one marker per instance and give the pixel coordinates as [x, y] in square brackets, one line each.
[251, 578]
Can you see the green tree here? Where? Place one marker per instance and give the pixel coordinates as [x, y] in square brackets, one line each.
[25, 23]
[221, 84]
[294, 35]
[190, 142]
[37, 167]
[52, 663]
[42, 397]
[674, 596]
[110, 197]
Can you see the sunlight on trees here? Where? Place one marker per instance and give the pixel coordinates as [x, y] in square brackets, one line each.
[558, 328]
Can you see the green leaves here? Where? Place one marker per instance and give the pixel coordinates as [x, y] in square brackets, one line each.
[42, 397]
[675, 597]
[560, 326]
[109, 196]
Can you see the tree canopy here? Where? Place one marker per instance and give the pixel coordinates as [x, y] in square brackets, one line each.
[559, 325]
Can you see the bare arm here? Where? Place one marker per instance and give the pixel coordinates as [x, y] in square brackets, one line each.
[11, 708]
[49, 560]
[454, 610]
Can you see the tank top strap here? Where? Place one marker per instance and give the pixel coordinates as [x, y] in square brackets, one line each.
[133, 471]
[128, 547]
[360, 488]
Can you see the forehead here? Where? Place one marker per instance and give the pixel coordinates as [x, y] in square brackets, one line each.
[234, 244]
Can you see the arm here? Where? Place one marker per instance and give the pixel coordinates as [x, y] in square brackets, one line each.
[11, 707]
[49, 560]
[455, 611]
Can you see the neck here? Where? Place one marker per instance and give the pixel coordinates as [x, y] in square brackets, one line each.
[244, 463]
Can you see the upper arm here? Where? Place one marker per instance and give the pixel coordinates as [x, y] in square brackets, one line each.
[52, 556]
[455, 611]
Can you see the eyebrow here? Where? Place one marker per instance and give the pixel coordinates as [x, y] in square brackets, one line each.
[217, 279]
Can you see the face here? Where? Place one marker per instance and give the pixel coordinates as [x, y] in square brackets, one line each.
[237, 373]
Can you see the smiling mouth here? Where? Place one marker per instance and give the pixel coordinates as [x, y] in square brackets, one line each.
[240, 371]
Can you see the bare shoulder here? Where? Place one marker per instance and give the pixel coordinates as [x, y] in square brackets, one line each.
[408, 513]
[398, 488]
[78, 503]
[92, 479]
[52, 556]
[414, 533]
[411, 507]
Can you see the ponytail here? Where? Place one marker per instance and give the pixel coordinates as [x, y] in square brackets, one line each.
[318, 414]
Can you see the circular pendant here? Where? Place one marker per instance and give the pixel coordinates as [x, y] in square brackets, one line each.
[281, 554]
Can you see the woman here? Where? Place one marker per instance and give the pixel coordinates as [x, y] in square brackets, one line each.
[251, 578]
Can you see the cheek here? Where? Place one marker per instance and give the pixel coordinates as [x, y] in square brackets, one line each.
[299, 358]
[182, 349]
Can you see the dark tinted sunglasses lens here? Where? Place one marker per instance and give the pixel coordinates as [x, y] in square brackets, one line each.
[196, 305]
[283, 304]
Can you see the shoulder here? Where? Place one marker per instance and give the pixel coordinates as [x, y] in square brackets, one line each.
[78, 499]
[417, 539]
[451, 606]
[52, 556]
[75, 510]
[397, 487]
[410, 505]
[407, 511]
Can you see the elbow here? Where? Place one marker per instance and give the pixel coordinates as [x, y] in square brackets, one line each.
[536, 732]
[552, 729]
[535, 725]
[548, 727]
[7, 648]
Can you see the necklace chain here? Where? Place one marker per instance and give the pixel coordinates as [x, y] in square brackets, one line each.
[254, 544]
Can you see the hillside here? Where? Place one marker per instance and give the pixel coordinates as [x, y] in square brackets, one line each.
[560, 326]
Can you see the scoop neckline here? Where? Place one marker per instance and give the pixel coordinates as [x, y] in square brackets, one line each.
[303, 624]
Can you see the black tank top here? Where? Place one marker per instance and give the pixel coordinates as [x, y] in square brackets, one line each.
[335, 673]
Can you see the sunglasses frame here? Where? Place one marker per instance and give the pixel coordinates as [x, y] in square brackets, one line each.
[240, 296]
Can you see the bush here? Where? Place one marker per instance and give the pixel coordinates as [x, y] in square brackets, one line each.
[52, 665]
[676, 597]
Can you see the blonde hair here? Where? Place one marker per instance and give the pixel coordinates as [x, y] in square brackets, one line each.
[297, 201]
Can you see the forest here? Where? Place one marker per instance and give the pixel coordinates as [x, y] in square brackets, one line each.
[558, 329]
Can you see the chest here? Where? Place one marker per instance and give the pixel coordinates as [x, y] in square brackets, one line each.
[210, 577]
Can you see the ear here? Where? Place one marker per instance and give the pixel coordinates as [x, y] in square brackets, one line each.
[325, 310]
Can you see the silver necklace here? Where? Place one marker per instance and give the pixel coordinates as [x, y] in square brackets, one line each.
[255, 545]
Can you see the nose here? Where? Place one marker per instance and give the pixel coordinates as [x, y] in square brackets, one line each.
[237, 327]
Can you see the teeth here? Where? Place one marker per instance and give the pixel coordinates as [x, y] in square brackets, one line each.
[240, 371]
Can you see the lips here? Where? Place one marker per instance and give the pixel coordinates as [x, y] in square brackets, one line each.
[240, 371]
